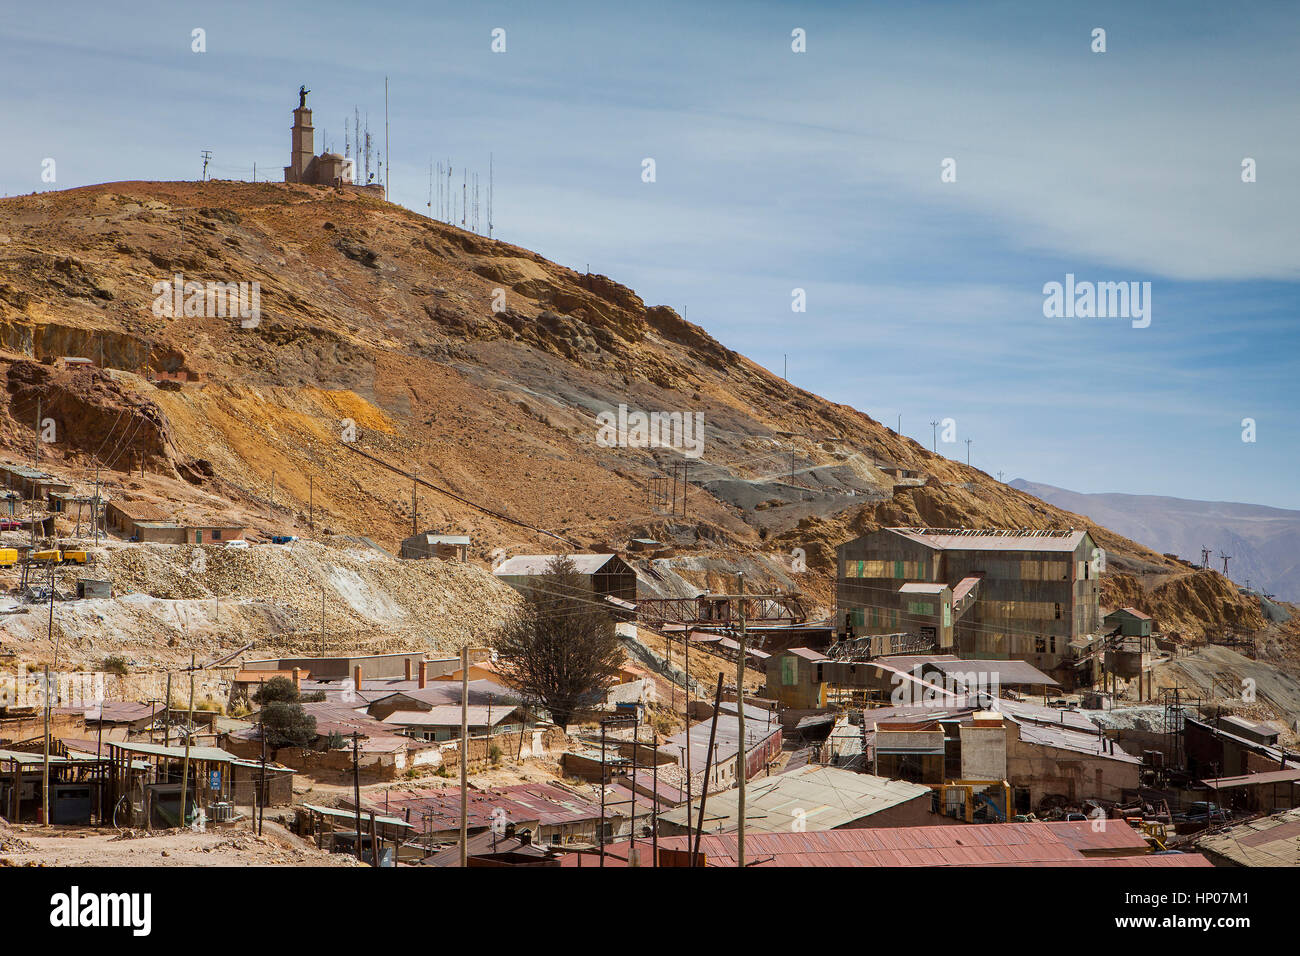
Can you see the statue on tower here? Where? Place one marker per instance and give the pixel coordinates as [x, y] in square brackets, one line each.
[302, 97]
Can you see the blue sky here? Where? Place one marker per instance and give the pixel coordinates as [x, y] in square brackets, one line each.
[819, 171]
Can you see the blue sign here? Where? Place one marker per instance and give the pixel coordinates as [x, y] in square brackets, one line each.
[214, 780]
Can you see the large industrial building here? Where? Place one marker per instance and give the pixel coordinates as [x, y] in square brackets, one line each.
[986, 594]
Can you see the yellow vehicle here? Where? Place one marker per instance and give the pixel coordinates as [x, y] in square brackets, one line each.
[8, 557]
[54, 556]
[74, 557]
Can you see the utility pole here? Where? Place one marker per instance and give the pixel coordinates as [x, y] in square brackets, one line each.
[1205, 557]
[1226, 559]
[189, 728]
[415, 508]
[37, 462]
[934, 436]
[356, 785]
[1000, 474]
[207, 155]
[45, 763]
[311, 502]
[388, 159]
[708, 762]
[741, 754]
[464, 757]
[261, 797]
[968, 441]
[167, 714]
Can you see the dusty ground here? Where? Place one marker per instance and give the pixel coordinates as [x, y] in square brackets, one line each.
[230, 846]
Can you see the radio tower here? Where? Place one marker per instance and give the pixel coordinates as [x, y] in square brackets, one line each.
[1205, 557]
[1226, 559]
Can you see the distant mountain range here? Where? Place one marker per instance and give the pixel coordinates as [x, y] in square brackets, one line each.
[1264, 542]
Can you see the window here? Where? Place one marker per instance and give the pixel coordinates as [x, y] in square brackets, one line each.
[216, 534]
[1058, 612]
[1040, 646]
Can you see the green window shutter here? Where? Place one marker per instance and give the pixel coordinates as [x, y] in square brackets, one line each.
[898, 569]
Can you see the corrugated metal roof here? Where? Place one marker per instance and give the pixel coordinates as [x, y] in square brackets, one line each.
[1006, 673]
[1269, 841]
[921, 588]
[820, 798]
[527, 564]
[1001, 844]
[960, 539]
[1253, 779]
[210, 754]
[540, 803]
[448, 715]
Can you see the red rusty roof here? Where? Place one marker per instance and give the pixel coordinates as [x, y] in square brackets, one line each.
[1006, 844]
[541, 803]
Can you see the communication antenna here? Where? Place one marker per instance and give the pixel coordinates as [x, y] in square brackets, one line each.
[1205, 557]
[1226, 559]
[489, 209]
[934, 436]
[368, 176]
[429, 205]
[449, 216]
[207, 155]
[464, 196]
[968, 441]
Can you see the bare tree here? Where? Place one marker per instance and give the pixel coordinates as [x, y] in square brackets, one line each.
[561, 646]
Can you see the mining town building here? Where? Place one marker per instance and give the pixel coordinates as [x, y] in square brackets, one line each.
[605, 575]
[983, 594]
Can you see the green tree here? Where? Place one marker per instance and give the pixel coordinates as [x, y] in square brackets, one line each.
[276, 689]
[286, 724]
[560, 646]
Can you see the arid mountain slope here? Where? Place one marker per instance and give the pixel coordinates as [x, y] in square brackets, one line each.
[374, 315]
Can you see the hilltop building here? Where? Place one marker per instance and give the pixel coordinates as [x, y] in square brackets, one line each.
[327, 169]
[984, 594]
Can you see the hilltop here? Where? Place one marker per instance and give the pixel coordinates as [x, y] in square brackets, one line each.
[377, 317]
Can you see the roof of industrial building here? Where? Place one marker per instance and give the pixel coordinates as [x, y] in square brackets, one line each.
[1006, 673]
[992, 539]
[1046, 726]
[432, 538]
[1003, 844]
[542, 803]
[916, 587]
[726, 742]
[807, 653]
[1268, 841]
[1140, 615]
[1265, 778]
[541, 563]
[819, 798]
[448, 715]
